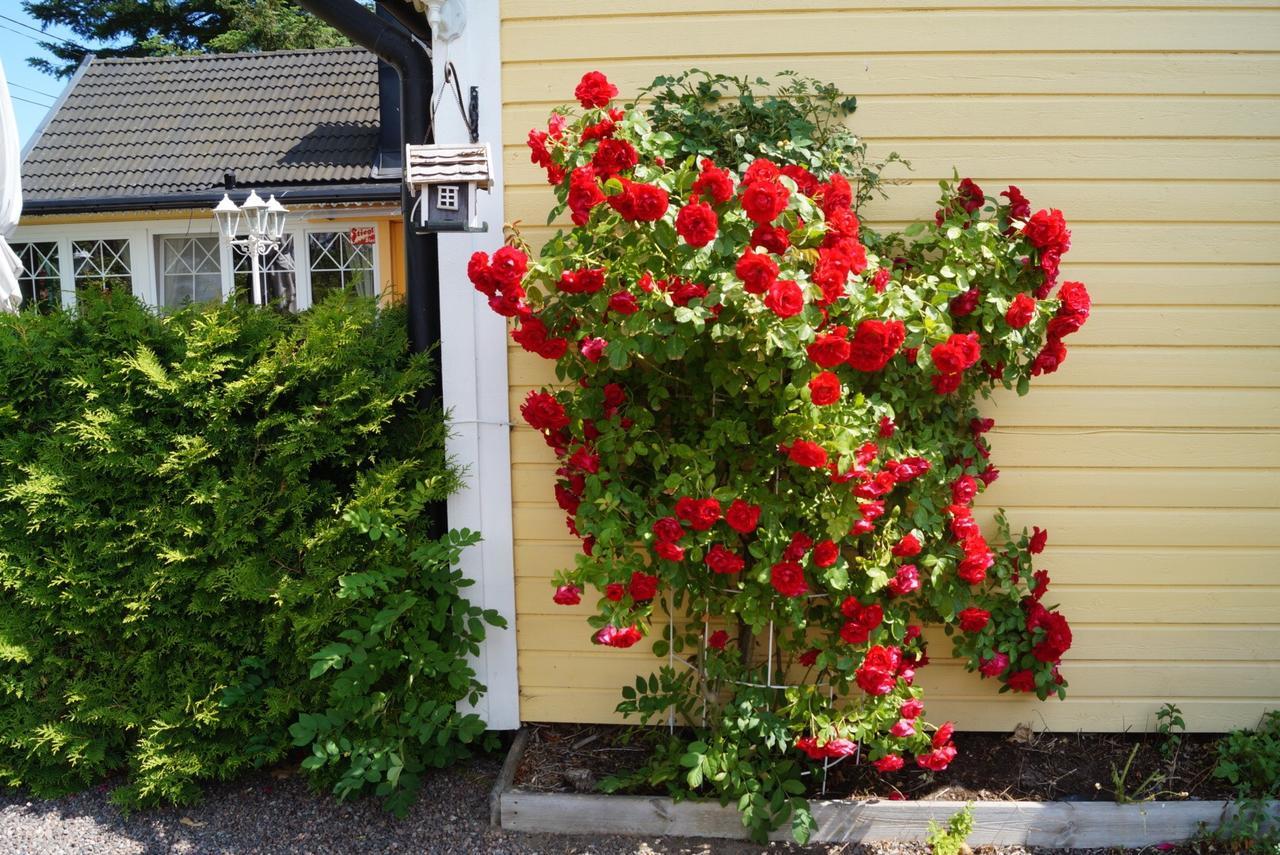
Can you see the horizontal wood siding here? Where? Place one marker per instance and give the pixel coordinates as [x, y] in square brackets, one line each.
[1153, 456]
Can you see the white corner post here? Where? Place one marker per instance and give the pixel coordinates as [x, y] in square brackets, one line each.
[473, 351]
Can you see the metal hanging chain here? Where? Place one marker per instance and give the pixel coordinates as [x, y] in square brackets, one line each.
[470, 118]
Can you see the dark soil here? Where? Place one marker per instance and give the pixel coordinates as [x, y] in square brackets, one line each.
[1023, 766]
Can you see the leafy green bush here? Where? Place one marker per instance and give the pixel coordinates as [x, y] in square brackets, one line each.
[214, 545]
[1250, 761]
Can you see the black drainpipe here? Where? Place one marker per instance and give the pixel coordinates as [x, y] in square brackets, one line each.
[388, 41]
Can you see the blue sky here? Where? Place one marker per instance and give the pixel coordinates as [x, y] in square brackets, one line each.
[32, 91]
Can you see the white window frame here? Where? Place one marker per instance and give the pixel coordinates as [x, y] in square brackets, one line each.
[302, 254]
[447, 197]
[157, 247]
[142, 235]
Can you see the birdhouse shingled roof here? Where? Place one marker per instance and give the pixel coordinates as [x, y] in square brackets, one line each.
[448, 164]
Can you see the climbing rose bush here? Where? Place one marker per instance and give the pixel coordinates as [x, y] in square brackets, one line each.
[767, 424]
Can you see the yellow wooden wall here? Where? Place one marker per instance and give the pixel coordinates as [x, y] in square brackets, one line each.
[1153, 456]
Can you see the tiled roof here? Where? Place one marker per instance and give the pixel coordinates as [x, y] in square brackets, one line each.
[176, 124]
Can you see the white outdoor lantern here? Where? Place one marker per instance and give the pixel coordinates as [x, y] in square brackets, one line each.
[275, 219]
[263, 223]
[227, 213]
[254, 211]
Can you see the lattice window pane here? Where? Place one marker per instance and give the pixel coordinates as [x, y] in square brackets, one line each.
[191, 270]
[103, 265]
[41, 281]
[278, 274]
[337, 264]
[447, 197]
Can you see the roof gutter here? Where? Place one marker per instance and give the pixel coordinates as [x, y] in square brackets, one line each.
[411, 59]
[313, 194]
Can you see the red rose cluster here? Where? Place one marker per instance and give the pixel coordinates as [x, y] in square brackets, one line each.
[762, 417]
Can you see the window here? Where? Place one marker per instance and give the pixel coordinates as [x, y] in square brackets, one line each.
[277, 268]
[40, 281]
[102, 265]
[337, 264]
[190, 271]
[447, 197]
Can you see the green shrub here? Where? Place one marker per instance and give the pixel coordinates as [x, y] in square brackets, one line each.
[214, 545]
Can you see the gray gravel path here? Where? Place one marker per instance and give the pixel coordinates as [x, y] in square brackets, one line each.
[267, 814]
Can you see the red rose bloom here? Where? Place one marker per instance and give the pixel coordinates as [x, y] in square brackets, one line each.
[1039, 538]
[973, 619]
[584, 194]
[905, 581]
[964, 304]
[874, 343]
[697, 223]
[1047, 230]
[787, 578]
[668, 550]
[1021, 311]
[829, 349]
[805, 181]
[805, 453]
[1057, 640]
[543, 412]
[592, 348]
[643, 586]
[785, 298]
[624, 303]
[713, 183]
[888, 763]
[761, 169]
[568, 595]
[718, 640]
[825, 389]
[701, 514]
[1021, 681]
[836, 194]
[878, 673]
[612, 636]
[994, 666]
[757, 272]
[742, 517]
[1019, 206]
[724, 562]
[614, 156]
[938, 759]
[911, 709]
[614, 591]
[957, 353]
[907, 547]
[594, 90]
[825, 554]
[668, 528]
[775, 239]
[1050, 358]
[969, 195]
[763, 201]
[640, 203]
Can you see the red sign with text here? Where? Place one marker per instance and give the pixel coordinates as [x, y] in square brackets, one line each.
[362, 236]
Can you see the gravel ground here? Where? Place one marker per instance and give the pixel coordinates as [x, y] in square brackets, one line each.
[266, 813]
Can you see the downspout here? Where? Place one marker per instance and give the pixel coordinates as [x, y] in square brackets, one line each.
[388, 41]
[392, 44]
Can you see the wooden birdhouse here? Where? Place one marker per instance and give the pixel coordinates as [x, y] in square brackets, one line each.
[446, 178]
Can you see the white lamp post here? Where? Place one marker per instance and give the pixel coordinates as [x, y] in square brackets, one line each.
[263, 223]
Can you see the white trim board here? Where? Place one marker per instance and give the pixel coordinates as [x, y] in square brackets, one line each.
[473, 351]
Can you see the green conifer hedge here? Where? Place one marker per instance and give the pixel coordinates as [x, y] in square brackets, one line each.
[213, 551]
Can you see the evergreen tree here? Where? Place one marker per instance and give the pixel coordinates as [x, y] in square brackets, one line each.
[113, 28]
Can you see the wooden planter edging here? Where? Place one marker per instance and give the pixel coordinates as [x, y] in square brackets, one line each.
[1049, 824]
[1061, 825]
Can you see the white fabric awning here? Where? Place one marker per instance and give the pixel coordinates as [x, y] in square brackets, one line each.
[10, 199]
